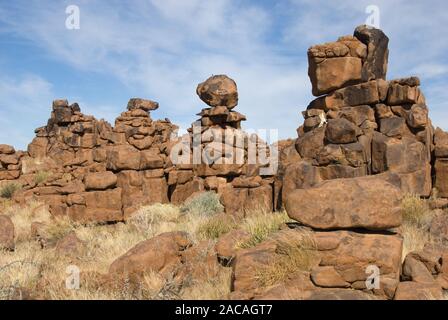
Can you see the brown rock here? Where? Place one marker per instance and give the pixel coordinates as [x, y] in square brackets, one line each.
[416, 271]
[328, 277]
[6, 149]
[6, 233]
[334, 73]
[309, 145]
[341, 131]
[218, 90]
[70, 245]
[375, 65]
[226, 247]
[143, 104]
[123, 158]
[439, 227]
[161, 254]
[365, 202]
[441, 143]
[441, 181]
[418, 291]
[100, 180]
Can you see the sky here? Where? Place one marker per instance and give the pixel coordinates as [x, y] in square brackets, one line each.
[161, 50]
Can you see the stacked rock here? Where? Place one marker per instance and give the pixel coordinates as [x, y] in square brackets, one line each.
[9, 162]
[351, 225]
[93, 172]
[141, 156]
[221, 94]
[219, 154]
[362, 124]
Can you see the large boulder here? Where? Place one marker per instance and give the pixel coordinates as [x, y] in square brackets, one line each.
[142, 104]
[161, 254]
[336, 64]
[365, 202]
[218, 90]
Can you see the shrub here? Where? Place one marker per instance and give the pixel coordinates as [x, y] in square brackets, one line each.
[415, 210]
[262, 225]
[292, 255]
[41, 177]
[216, 226]
[8, 190]
[205, 203]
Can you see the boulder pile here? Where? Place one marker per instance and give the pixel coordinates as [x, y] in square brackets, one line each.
[361, 124]
[352, 223]
[221, 157]
[93, 172]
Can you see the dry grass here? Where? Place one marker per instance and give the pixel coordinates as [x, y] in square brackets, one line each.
[8, 190]
[261, 225]
[417, 217]
[41, 177]
[42, 272]
[292, 255]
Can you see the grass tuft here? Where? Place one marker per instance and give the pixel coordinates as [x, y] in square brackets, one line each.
[41, 177]
[8, 190]
[205, 203]
[262, 225]
[292, 255]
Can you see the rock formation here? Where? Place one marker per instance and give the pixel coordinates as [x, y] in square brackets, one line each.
[362, 124]
[94, 172]
[219, 156]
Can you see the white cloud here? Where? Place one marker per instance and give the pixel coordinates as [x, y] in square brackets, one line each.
[24, 106]
[162, 49]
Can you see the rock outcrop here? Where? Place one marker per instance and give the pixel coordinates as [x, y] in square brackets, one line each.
[93, 172]
[362, 124]
[219, 156]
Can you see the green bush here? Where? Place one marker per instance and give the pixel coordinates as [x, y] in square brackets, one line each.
[8, 190]
[205, 203]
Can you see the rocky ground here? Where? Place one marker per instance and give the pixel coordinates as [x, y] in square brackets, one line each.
[197, 252]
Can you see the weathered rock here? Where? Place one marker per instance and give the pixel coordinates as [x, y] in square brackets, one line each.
[226, 247]
[441, 181]
[100, 180]
[6, 149]
[6, 233]
[70, 245]
[366, 202]
[334, 73]
[418, 291]
[328, 277]
[375, 65]
[143, 104]
[341, 131]
[416, 271]
[161, 254]
[218, 90]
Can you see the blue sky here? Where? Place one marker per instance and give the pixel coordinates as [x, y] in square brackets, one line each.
[161, 49]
